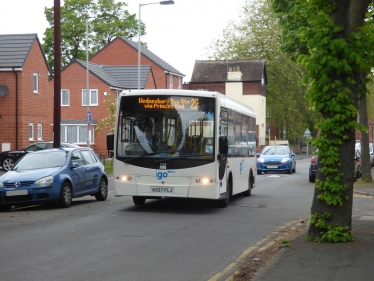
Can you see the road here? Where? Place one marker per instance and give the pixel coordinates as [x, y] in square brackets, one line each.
[165, 239]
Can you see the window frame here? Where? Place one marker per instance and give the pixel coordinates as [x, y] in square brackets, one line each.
[40, 131]
[90, 97]
[31, 136]
[64, 133]
[171, 81]
[68, 95]
[35, 83]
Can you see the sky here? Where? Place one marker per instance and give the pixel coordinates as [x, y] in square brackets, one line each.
[179, 34]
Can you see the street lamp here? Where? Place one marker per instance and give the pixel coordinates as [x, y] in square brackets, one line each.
[140, 5]
[88, 89]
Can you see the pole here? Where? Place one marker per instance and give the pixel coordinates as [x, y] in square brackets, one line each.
[57, 76]
[88, 88]
[140, 5]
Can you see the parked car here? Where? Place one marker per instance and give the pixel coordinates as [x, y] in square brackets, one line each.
[313, 168]
[314, 162]
[371, 151]
[9, 158]
[53, 175]
[276, 158]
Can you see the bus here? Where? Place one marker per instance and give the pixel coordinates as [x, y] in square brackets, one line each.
[203, 146]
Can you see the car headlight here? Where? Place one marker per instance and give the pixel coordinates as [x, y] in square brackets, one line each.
[284, 160]
[45, 180]
[1, 184]
[262, 160]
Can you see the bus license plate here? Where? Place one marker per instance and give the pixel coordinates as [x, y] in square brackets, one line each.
[162, 189]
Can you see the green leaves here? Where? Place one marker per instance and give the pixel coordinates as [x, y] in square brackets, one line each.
[330, 232]
[108, 19]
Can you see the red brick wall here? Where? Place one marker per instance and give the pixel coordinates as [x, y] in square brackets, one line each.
[74, 79]
[7, 109]
[32, 108]
[251, 88]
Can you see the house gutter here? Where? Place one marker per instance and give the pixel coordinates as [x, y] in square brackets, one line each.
[16, 107]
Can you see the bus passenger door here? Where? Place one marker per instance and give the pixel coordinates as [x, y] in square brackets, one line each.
[223, 151]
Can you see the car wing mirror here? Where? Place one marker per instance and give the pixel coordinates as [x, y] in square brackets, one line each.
[74, 165]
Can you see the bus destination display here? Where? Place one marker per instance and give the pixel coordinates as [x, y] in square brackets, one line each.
[168, 103]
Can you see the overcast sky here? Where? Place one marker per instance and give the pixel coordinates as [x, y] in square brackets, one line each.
[179, 33]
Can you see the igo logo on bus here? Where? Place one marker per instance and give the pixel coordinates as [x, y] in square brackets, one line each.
[163, 174]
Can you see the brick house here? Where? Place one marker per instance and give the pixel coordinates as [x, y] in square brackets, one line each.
[111, 70]
[243, 80]
[26, 102]
[122, 51]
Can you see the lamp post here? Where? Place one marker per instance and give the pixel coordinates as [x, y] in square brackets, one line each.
[140, 5]
[88, 89]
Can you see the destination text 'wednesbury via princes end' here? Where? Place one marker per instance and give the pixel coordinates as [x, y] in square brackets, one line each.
[169, 104]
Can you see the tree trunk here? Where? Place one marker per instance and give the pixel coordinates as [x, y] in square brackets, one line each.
[350, 14]
[365, 157]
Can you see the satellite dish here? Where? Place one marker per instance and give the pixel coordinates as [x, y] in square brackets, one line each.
[3, 90]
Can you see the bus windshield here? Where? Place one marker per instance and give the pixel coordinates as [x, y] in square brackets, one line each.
[165, 127]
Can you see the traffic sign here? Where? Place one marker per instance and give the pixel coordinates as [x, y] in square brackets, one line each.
[89, 116]
[307, 133]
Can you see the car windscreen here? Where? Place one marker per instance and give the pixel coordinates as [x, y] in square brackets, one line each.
[275, 151]
[34, 161]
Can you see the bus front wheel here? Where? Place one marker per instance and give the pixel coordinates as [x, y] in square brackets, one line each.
[138, 200]
[250, 186]
[223, 203]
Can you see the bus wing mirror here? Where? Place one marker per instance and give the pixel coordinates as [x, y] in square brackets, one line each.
[110, 141]
[223, 145]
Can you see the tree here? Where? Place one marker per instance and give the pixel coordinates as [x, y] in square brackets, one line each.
[107, 125]
[334, 44]
[109, 20]
[257, 34]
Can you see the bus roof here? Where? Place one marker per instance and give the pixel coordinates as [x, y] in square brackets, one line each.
[225, 101]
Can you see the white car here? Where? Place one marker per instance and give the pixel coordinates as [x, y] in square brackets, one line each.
[371, 151]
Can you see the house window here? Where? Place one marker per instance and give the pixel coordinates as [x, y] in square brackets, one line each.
[171, 81]
[92, 97]
[36, 83]
[179, 83]
[65, 97]
[40, 131]
[76, 133]
[31, 131]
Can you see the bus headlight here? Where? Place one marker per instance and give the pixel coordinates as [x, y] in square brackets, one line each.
[126, 178]
[204, 180]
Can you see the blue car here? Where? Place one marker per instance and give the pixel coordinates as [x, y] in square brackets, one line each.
[276, 158]
[53, 175]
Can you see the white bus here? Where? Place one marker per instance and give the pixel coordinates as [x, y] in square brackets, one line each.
[202, 145]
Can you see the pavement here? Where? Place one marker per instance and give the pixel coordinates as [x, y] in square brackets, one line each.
[304, 261]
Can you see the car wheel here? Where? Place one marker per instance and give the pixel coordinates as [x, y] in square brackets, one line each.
[259, 172]
[5, 208]
[8, 163]
[250, 186]
[294, 169]
[103, 191]
[289, 171]
[312, 178]
[138, 200]
[66, 196]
